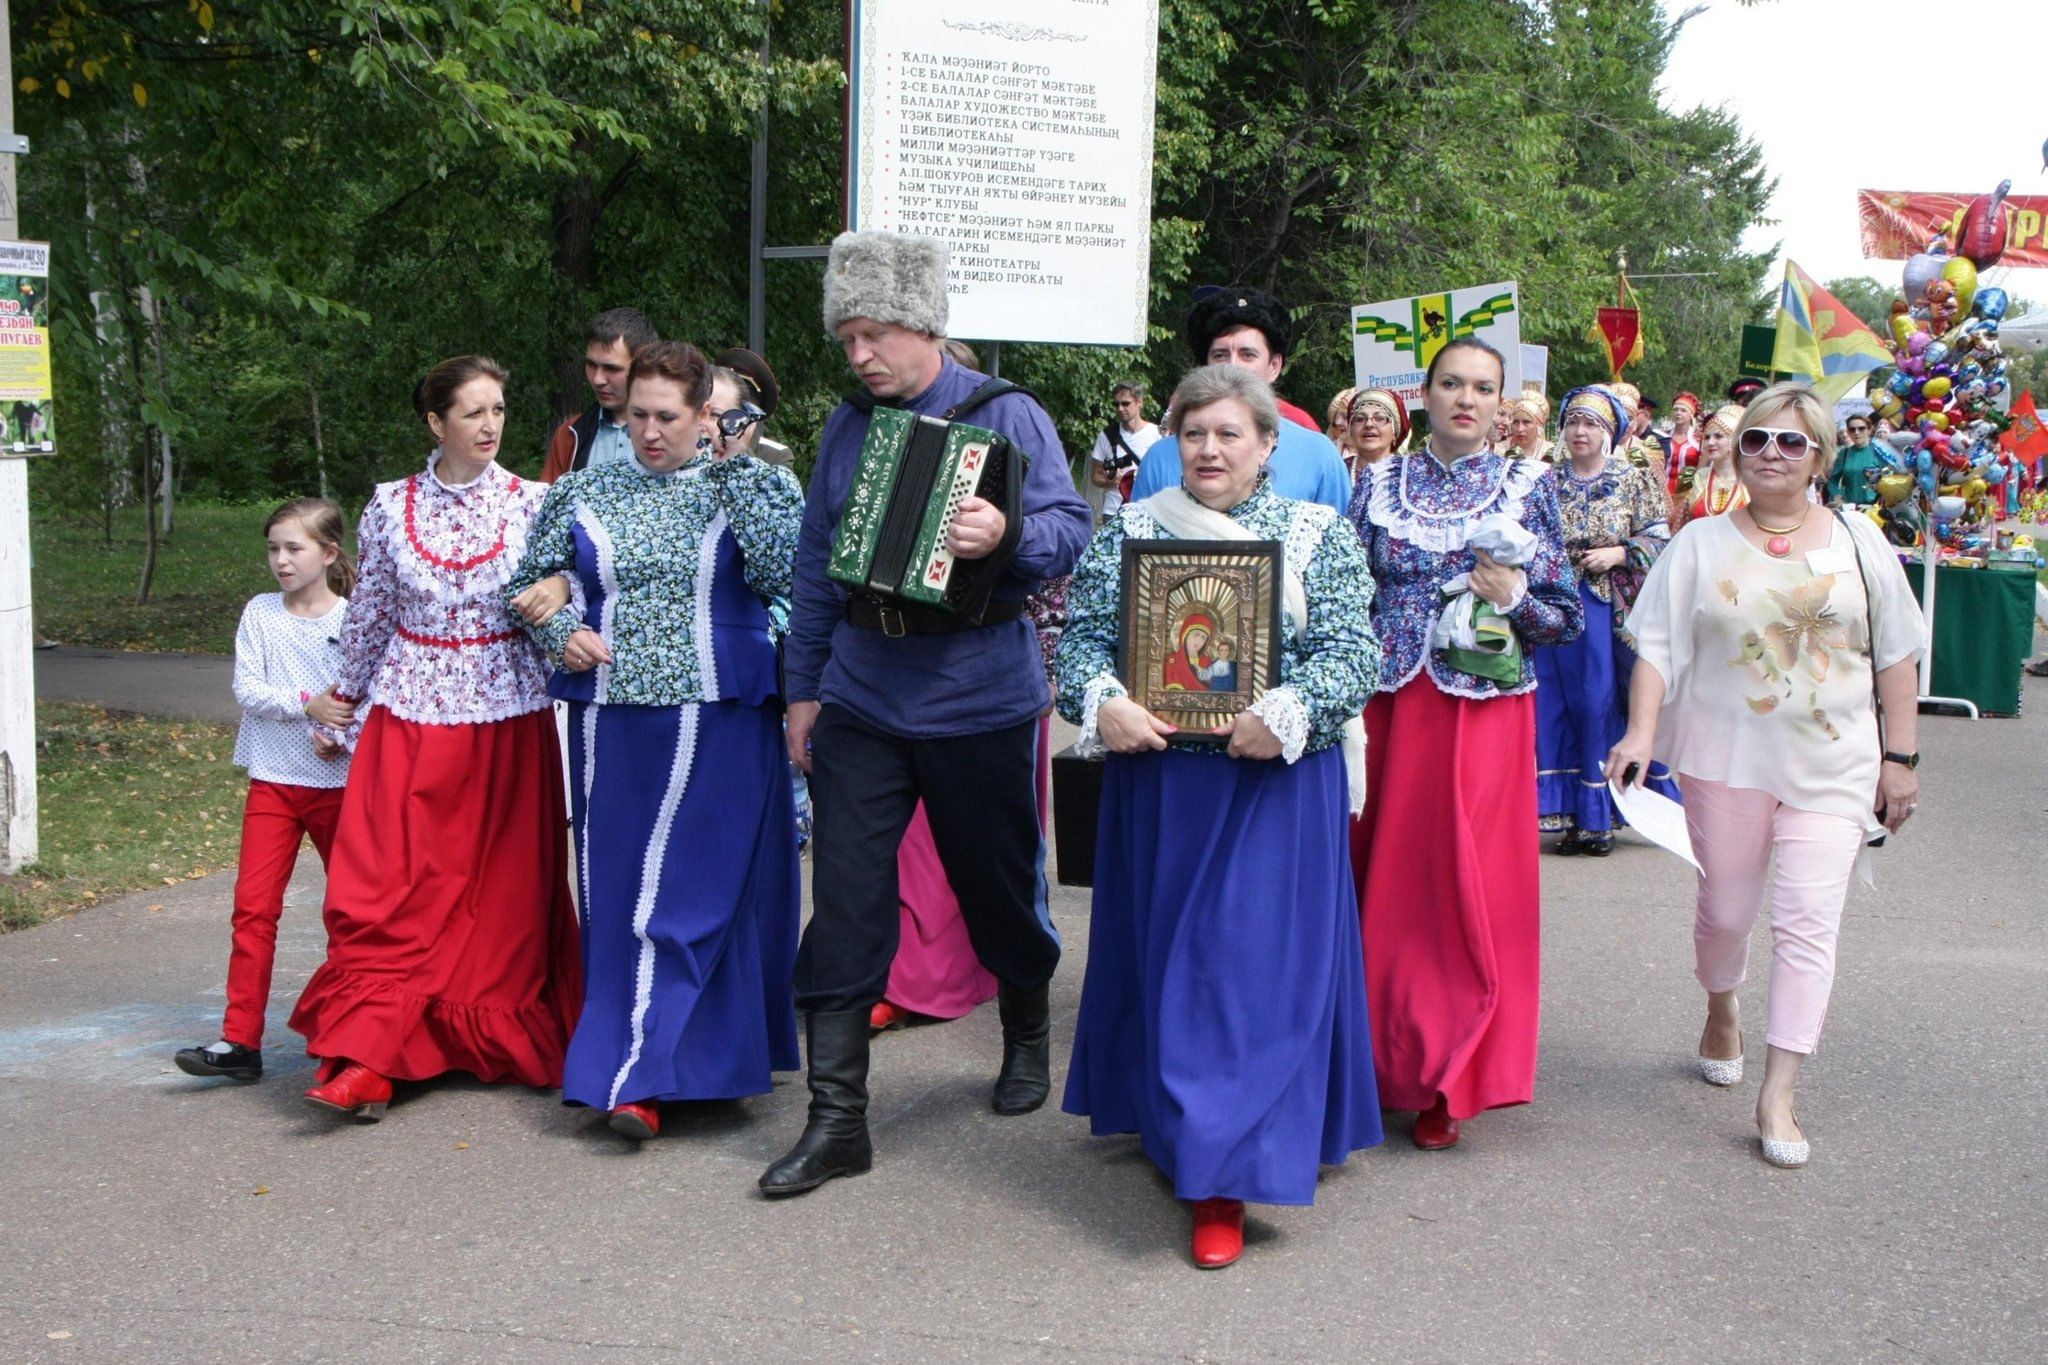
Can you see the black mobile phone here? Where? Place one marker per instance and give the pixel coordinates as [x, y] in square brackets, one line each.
[1628, 775]
[1877, 840]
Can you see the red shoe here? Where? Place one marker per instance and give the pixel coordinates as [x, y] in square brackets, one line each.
[1219, 1232]
[887, 1016]
[357, 1091]
[641, 1121]
[1435, 1129]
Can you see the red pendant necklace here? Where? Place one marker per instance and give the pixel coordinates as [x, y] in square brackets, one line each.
[1780, 543]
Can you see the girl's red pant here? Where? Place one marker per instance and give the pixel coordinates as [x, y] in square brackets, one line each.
[274, 820]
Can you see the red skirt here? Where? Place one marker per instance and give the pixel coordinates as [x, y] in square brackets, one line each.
[1445, 856]
[451, 938]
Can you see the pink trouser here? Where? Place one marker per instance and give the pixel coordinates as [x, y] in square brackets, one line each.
[1735, 833]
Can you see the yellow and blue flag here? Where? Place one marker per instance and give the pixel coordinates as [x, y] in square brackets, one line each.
[1820, 340]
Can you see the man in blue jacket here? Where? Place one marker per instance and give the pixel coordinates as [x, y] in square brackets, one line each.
[890, 705]
[1250, 328]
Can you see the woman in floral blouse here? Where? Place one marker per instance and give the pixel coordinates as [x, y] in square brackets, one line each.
[1614, 526]
[1769, 639]
[1223, 1017]
[451, 938]
[685, 831]
[1446, 850]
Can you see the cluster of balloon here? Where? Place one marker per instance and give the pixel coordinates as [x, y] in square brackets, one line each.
[1949, 368]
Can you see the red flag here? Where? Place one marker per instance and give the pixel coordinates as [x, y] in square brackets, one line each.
[2029, 437]
[1619, 328]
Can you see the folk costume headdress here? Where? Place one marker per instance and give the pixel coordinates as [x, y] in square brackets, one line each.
[1726, 419]
[1532, 401]
[1600, 403]
[1388, 403]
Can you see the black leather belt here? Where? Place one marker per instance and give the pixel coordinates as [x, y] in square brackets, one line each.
[894, 621]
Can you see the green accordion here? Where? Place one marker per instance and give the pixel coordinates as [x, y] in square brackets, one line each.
[914, 473]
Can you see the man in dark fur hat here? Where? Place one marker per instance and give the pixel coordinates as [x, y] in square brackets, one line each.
[1250, 328]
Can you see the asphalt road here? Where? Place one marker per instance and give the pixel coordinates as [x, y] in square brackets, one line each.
[180, 686]
[1625, 1215]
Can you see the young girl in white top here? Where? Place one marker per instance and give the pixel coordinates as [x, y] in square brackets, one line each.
[287, 651]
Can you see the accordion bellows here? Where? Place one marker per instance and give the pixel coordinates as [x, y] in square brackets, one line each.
[914, 473]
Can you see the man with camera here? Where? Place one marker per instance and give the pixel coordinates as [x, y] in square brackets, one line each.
[1113, 464]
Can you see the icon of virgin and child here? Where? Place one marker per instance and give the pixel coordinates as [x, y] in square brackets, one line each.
[1202, 660]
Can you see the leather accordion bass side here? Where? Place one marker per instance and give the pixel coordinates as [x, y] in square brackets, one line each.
[913, 474]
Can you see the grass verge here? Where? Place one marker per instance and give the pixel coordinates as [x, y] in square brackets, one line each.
[127, 803]
[210, 567]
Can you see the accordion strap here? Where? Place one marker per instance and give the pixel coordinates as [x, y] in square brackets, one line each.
[989, 389]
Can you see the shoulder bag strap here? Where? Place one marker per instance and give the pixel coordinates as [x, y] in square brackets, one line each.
[1869, 622]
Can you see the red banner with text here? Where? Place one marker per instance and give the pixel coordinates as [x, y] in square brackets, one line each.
[1898, 224]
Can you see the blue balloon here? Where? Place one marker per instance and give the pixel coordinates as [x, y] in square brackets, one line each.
[1991, 304]
[1900, 383]
[1935, 354]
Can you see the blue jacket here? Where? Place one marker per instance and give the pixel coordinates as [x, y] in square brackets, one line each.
[1305, 466]
[932, 686]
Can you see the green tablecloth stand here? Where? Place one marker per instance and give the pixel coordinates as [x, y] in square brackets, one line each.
[1983, 633]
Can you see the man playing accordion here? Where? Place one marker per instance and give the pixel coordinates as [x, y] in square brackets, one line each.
[891, 702]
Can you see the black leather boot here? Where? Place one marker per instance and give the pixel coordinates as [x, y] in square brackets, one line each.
[835, 1140]
[1026, 1077]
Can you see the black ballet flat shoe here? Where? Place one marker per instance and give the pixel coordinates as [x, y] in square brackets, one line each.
[1596, 845]
[238, 1063]
[1568, 845]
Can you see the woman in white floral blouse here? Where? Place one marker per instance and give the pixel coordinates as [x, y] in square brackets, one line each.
[451, 938]
[1776, 671]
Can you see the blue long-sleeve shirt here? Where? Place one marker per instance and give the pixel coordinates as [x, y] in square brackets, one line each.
[1305, 466]
[930, 686]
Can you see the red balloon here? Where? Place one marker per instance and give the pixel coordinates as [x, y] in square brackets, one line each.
[1981, 236]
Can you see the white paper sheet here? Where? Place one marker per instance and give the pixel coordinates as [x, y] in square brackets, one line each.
[1657, 818]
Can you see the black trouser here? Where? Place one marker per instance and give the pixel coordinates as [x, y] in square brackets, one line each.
[980, 794]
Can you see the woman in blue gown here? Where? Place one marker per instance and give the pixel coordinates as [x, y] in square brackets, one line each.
[1616, 520]
[685, 831]
[1223, 1017]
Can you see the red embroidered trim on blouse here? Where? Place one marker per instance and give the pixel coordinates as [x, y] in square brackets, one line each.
[458, 641]
[420, 548]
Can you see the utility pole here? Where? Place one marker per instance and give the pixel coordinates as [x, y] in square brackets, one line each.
[17, 631]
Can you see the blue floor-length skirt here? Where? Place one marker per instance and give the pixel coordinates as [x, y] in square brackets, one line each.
[688, 890]
[1223, 1015]
[1581, 712]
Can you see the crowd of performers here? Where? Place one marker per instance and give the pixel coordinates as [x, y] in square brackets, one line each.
[1332, 911]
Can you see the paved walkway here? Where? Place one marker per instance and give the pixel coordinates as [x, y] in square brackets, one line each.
[179, 686]
[1624, 1215]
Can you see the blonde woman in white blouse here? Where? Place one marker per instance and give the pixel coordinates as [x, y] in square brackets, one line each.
[1757, 646]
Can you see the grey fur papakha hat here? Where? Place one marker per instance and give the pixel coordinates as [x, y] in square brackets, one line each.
[887, 276]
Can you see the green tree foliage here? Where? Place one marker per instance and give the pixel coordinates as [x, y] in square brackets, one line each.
[325, 196]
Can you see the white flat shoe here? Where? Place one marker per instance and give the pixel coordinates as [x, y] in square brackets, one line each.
[1720, 1070]
[1723, 1071]
[1789, 1156]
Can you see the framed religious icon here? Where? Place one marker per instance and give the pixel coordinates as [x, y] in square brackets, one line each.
[1200, 636]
